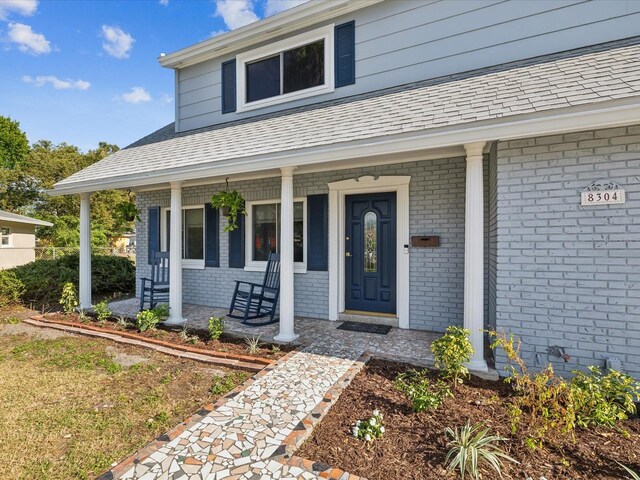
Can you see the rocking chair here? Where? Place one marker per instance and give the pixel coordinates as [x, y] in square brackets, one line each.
[255, 300]
[156, 288]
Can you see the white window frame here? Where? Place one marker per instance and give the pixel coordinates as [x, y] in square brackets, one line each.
[325, 33]
[260, 266]
[9, 236]
[186, 262]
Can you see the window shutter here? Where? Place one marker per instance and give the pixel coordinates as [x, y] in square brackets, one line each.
[345, 54]
[317, 232]
[211, 236]
[228, 86]
[236, 245]
[153, 232]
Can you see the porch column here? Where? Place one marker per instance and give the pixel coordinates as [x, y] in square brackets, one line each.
[175, 256]
[85, 251]
[474, 255]
[287, 329]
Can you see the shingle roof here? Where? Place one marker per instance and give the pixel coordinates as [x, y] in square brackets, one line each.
[588, 75]
[14, 217]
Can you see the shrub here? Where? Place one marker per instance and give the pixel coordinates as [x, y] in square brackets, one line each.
[423, 393]
[451, 352]
[216, 327]
[472, 446]
[603, 399]
[161, 311]
[253, 344]
[69, 298]
[146, 320]
[11, 288]
[43, 279]
[102, 311]
[369, 430]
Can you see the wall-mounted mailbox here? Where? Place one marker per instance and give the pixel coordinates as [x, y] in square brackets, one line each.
[430, 241]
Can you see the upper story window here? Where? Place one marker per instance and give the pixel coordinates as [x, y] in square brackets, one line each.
[293, 68]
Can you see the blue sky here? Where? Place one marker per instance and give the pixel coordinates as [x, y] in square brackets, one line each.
[85, 71]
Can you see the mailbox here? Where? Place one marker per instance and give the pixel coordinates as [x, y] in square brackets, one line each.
[427, 241]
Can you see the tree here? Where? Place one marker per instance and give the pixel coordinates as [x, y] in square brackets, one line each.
[14, 145]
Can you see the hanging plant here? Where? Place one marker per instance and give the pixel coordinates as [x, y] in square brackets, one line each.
[230, 204]
[128, 210]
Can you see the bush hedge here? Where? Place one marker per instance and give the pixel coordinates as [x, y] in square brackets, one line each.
[43, 279]
[11, 288]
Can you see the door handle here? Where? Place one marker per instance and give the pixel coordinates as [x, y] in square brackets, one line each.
[347, 254]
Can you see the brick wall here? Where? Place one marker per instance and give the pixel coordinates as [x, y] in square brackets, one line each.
[567, 275]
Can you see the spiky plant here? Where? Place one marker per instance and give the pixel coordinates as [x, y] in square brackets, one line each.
[632, 475]
[253, 344]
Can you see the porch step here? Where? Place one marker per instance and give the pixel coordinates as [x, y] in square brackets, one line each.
[363, 317]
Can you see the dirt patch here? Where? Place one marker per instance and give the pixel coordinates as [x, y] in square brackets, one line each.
[36, 332]
[125, 359]
[414, 445]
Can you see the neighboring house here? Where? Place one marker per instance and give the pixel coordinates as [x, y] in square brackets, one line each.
[18, 239]
[431, 163]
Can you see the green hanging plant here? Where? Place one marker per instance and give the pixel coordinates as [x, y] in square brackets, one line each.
[128, 211]
[231, 204]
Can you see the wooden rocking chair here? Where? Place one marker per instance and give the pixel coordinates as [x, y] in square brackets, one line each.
[255, 300]
[156, 288]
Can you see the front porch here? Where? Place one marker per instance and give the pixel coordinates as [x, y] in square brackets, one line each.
[411, 346]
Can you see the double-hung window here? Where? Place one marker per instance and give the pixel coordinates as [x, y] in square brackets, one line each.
[5, 237]
[192, 235]
[263, 233]
[297, 67]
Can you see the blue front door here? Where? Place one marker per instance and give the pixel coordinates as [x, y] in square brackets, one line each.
[370, 252]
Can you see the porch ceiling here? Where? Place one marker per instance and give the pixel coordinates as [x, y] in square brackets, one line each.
[603, 78]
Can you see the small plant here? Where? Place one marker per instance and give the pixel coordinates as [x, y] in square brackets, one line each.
[216, 327]
[632, 475]
[11, 320]
[451, 352]
[231, 205]
[187, 337]
[146, 320]
[122, 322]
[69, 298]
[103, 312]
[161, 311]
[253, 344]
[472, 446]
[423, 393]
[369, 430]
[275, 349]
[82, 316]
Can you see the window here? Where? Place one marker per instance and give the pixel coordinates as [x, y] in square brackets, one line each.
[5, 237]
[192, 235]
[293, 68]
[263, 232]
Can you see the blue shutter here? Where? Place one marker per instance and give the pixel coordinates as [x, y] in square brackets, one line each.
[228, 86]
[236, 245]
[345, 54]
[211, 236]
[153, 232]
[317, 232]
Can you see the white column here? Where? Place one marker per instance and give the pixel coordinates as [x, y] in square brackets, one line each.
[474, 255]
[85, 251]
[175, 256]
[287, 329]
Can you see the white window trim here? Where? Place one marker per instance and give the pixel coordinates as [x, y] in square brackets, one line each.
[8, 235]
[326, 33]
[186, 263]
[260, 266]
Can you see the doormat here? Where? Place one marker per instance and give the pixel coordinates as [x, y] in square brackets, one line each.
[365, 328]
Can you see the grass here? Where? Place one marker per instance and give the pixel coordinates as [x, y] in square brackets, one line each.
[68, 410]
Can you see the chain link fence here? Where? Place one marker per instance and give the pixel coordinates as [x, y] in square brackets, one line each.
[51, 253]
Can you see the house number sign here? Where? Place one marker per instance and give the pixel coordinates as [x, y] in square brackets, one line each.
[602, 193]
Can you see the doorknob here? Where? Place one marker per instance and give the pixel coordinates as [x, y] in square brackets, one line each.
[347, 254]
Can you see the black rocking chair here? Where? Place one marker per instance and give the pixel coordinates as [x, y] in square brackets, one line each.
[255, 300]
[156, 288]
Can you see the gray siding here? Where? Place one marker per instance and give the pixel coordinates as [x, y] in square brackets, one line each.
[398, 42]
[567, 275]
[436, 208]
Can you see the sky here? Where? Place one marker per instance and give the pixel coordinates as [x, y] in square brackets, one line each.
[86, 71]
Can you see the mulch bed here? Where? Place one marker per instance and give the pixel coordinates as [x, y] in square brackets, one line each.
[197, 339]
[414, 445]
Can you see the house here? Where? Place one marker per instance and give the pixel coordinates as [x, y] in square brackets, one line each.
[18, 239]
[429, 163]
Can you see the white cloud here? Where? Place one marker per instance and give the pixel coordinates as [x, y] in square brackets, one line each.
[57, 83]
[136, 95]
[27, 40]
[236, 13]
[164, 2]
[117, 42]
[21, 7]
[166, 99]
[276, 6]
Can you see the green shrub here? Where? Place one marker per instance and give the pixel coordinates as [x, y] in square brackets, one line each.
[161, 311]
[601, 399]
[102, 311]
[11, 288]
[369, 430]
[451, 352]
[216, 327]
[69, 298]
[146, 320]
[423, 393]
[43, 279]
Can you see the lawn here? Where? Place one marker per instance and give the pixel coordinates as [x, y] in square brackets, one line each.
[71, 406]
